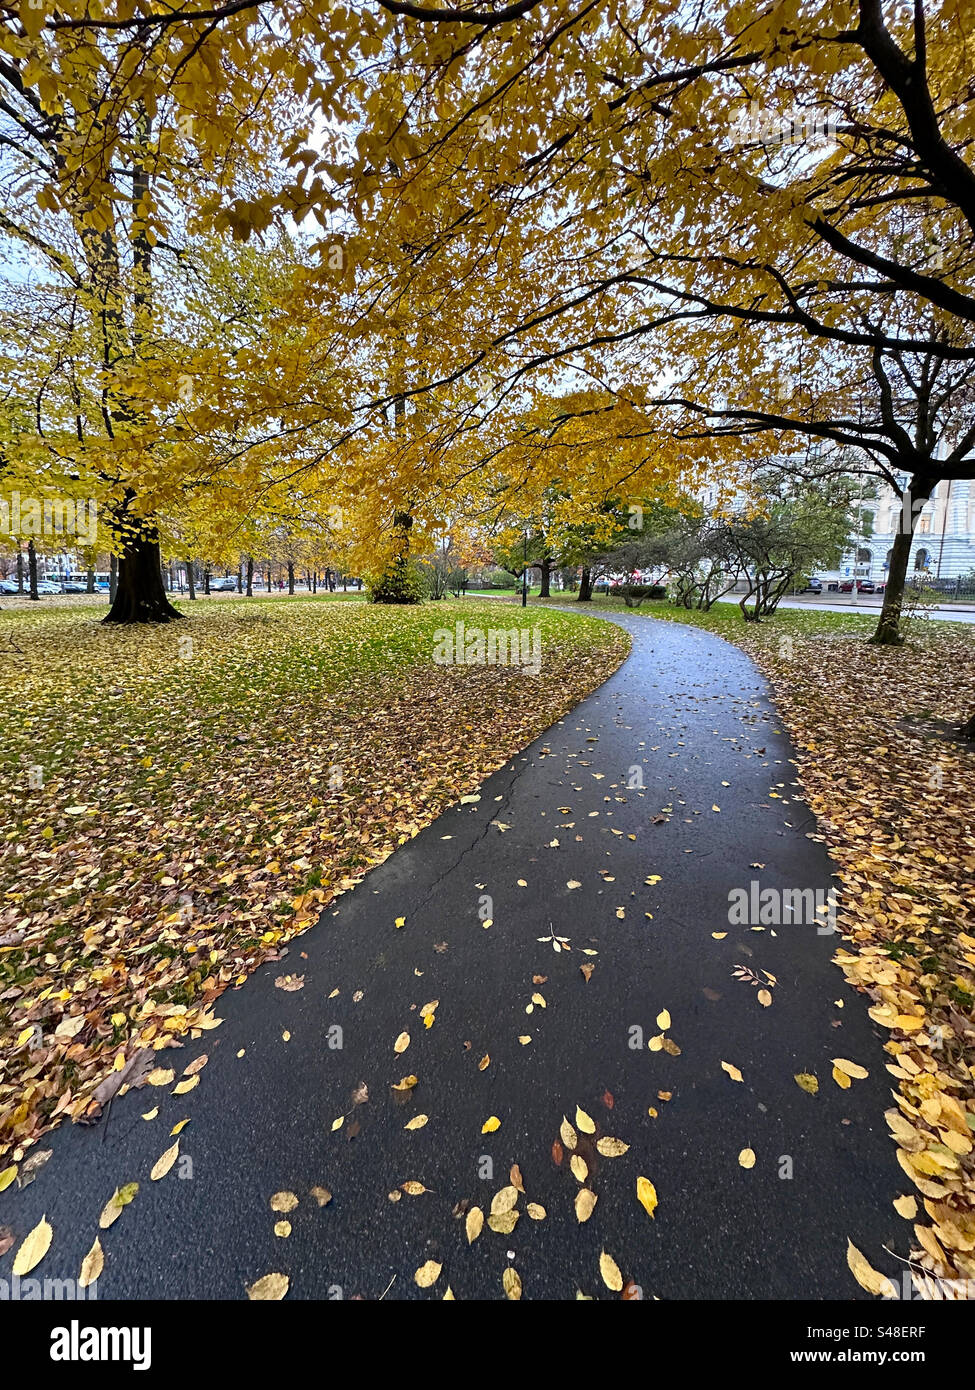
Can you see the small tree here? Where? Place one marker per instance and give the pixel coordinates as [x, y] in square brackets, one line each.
[802, 529]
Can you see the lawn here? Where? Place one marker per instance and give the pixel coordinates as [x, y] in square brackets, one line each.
[894, 795]
[177, 801]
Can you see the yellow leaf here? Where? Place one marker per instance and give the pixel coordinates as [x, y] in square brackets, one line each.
[646, 1195]
[504, 1222]
[490, 1125]
[663, 1020]
[732, 1071]
[271, 1288]
[512, 1284]
[807, 1082]
[163, 1164]
[474, 1224]
[610, 1271]
[764, 998]
[585, 1201]
[747, 1158]
[841, 1079]
[417, 1122]
[33, 1248]
[585, 1122]
[120, 1198]
[401, 1043]
[282, 1229]
[160, 1076]
[183, 1086]
[851, 1068]
[611, 1148]
[7, 1176]
[412, 1188]
[427, 1275]
[178, 1128]
[505, 1200]
[580, 1168]
[92, 1265]
[867, 1277]
[283, 1201]
[906, 1207]
[536, 1211]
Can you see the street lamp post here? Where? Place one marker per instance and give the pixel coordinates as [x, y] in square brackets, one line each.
[524, 575]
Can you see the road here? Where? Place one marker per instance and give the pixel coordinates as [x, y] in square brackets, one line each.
[674, 993]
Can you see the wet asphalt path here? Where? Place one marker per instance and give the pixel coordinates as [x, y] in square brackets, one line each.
[688, 714]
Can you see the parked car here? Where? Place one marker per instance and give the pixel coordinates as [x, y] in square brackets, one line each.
[219, 585]
[811, 586]
[8, 586]
[864, 586]
[48, 586]
[74, 586]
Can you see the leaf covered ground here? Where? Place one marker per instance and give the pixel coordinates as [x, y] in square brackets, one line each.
[893, 793]
[177, 802]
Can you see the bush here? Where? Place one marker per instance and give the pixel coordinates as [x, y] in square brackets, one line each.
[635, 593]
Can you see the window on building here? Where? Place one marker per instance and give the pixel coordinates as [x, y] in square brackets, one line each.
[922, 559]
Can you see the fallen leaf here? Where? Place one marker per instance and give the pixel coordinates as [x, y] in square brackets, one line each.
[33, 1248]
[866, 1276]
[646, 1195]
[610, 1271]
[271, 1288]
[427, 1275]
[163, 1164]
[92, 1265]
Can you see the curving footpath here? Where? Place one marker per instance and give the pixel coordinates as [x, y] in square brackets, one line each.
[689, 716]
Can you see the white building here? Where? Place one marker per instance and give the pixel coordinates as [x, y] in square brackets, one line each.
[943, 545]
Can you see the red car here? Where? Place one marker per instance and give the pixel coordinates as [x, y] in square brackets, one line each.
[864, 586]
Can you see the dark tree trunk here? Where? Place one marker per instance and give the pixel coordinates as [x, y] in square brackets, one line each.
[190, 579]
[250, 577]
[112, 577]
[240, 579]
[585, 586]
[545, 591]
[206, 580]
[314, 582]
[20, 569]
[267, 580]
[32, 569]
[90, 581]
[968, 730]
[291, 578]
[888, 633]
[139, 593]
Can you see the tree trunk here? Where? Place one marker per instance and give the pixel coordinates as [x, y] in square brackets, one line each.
[968, 730]
[250, 577]
[888, 633]
[314, 582]
[112, 577]
[291, 578]
[139, 593]
[20, 569]
[585, 586]
[240, 579]
[90, 581]
[206, 580]
[545, 591]
[32, 569]
[190, 579]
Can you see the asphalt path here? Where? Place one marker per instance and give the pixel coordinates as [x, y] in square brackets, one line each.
[690, 717]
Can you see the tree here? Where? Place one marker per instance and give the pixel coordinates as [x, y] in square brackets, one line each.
[799, 531]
